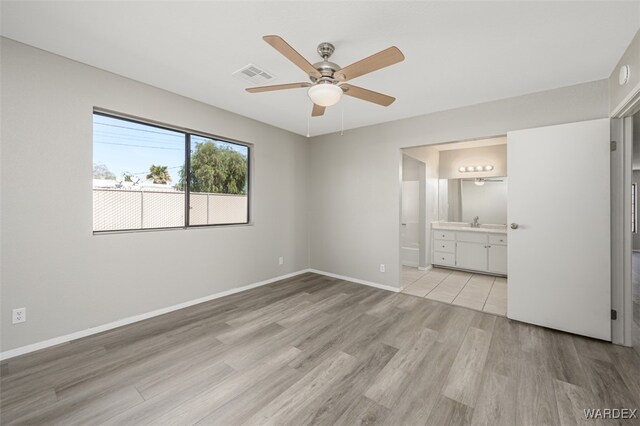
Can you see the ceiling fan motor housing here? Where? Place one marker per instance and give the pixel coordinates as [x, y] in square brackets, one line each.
[325, 67]
[325, 50]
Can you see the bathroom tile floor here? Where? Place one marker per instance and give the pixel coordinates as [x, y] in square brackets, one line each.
[475, 291]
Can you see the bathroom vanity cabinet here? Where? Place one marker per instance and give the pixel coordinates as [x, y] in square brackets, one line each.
[472, 249]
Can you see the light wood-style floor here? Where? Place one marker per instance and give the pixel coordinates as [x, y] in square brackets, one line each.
[474, 291]
[316, 350]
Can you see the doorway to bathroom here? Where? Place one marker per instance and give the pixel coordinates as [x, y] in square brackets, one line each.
[548, 261]
[453, 223]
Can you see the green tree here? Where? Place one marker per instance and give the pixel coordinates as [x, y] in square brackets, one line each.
[159, 174]
[127, 176]
[216, 168]
[100, 171]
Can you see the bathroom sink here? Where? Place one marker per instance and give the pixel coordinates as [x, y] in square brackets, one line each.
[462, 226]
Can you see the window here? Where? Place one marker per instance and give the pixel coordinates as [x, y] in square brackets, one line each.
[634, 209]
[152, 177]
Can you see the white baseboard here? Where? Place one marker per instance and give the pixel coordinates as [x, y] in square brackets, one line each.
[129, 320]
[356, 280]
[426, 268]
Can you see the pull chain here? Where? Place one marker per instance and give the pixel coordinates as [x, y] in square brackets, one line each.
[308, 135]
[342, 125]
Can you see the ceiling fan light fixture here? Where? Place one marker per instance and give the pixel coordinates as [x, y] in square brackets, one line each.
[325, 94]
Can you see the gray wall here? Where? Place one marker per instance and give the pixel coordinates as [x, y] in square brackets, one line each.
[410, 168]
[355, 180]
[630, 57]
[70, 280]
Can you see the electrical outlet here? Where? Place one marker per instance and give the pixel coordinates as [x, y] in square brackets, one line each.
[281, 260]
[382, 268]
[19, 315]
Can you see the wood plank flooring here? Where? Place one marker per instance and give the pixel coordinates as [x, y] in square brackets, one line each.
[317, 350]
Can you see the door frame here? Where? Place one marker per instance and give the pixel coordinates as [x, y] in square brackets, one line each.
[621, 240]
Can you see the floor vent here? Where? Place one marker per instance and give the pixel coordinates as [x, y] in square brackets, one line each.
[254, 75]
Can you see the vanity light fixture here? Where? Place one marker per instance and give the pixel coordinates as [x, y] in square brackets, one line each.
[467, 169]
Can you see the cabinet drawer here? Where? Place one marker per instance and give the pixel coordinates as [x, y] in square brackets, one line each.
[444, 246]
[444, 235]
[440, 258]
[498, 239]
[472, 237]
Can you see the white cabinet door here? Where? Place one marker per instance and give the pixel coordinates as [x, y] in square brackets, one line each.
[471, 256]
[560, 253]
[498, 259]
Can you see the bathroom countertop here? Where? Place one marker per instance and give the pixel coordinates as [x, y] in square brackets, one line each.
[487, 229]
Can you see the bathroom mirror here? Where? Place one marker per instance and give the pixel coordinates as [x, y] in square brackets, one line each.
[460, 200]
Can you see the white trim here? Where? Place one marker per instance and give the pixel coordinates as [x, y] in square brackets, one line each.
[129, 320]
[629, 104]
[426, 268]
[357, 281]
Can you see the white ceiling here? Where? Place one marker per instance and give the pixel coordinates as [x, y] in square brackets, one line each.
[457, 53]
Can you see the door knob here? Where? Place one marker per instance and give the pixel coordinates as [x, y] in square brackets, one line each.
[514, 226]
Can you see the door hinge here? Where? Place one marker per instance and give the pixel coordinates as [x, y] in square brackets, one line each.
[614, 314]
[614, 145]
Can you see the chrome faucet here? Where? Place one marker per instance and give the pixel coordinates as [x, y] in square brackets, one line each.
[475, 223]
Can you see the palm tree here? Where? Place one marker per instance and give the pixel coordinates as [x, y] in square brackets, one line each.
[159, 174]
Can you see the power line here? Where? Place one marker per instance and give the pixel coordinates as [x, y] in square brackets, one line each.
[135, 137]
[144, 173]
[141, 146]
[139, 130]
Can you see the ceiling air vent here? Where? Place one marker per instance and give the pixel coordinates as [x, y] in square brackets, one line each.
[254, 75]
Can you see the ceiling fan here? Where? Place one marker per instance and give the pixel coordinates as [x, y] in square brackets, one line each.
[328, 79]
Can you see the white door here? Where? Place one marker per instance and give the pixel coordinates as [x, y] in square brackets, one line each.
[559, 255]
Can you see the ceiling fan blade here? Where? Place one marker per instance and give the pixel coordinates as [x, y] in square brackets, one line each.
[389, 56]
[277, 87]
[317, 110]
[291, 54]
[367, 95]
